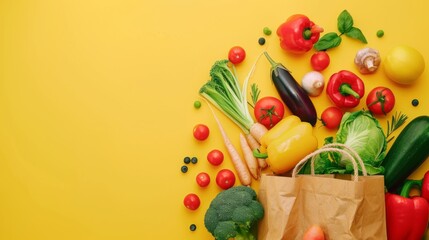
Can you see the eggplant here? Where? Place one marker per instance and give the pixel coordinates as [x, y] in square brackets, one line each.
[291, 93]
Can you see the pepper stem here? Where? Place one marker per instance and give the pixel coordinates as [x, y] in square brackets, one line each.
[307, 34]
[346, 89]
[408, 185]
[258, 154]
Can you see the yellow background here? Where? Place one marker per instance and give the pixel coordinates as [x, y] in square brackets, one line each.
[96, 103]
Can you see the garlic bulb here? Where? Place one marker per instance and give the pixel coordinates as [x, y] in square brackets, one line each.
[313, 83]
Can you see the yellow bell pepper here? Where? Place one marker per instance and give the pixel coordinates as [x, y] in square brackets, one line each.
[279, 129]
[285, 151]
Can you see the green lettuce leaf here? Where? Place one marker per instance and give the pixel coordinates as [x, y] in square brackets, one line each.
[361, 132]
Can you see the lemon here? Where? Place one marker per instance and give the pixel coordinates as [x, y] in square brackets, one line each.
[403, 64]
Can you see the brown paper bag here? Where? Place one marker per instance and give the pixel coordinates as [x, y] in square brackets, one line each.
[345, 206]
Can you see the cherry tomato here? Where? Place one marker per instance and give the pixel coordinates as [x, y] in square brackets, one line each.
[320, 61]
[215, 157]
[203, 179]
[192, 201]
[236, 55]
[225, 179]
[201, 132]
[380, 100]
[331, 117]
[269, 111]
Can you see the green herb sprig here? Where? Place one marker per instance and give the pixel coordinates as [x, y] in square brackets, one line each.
[346, 27]
[397, 121]
[254, 94]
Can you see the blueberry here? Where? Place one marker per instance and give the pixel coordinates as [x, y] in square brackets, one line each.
[184, 169]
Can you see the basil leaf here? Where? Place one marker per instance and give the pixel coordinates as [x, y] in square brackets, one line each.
[356, 33]
[329, 40]
[345, 22]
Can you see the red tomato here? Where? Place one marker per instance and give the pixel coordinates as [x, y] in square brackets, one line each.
[236, 55]
[215, 157]
[203, 179]
[192, 201]
[201, 132]
[380, 100]
[331, 117]
[269, 111]
[320, 61]
[225, 179]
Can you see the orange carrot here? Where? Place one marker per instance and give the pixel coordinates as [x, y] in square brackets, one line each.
[254, 145]
[240, 167]
[314, 232]
[251, 161]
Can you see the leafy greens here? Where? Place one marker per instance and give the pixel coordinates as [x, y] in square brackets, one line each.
[361, 132]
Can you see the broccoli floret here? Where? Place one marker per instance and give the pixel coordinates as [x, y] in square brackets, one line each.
[225, 230]
[243, 216]
[233, 213]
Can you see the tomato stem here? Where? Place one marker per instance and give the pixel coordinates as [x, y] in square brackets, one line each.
[270, 112]
[380, 99]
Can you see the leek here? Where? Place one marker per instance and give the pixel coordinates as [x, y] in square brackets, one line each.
[223, 91]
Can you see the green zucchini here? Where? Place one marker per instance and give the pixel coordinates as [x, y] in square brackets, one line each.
[408, 152]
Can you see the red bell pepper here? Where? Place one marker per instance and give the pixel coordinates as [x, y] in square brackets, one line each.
[345, 89]
[406, 218]
[425, 186]
[298, 34]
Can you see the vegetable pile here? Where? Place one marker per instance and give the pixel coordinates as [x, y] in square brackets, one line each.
[278, 130]
[224, 92]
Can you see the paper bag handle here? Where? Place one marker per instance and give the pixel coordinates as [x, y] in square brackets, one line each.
[333, 147]
[351, 151]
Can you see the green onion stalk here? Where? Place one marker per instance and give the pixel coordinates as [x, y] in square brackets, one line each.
[224, 92]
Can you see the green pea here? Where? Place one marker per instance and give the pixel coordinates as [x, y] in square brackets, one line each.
[380, 33]
[197, 104]
[267, 31]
